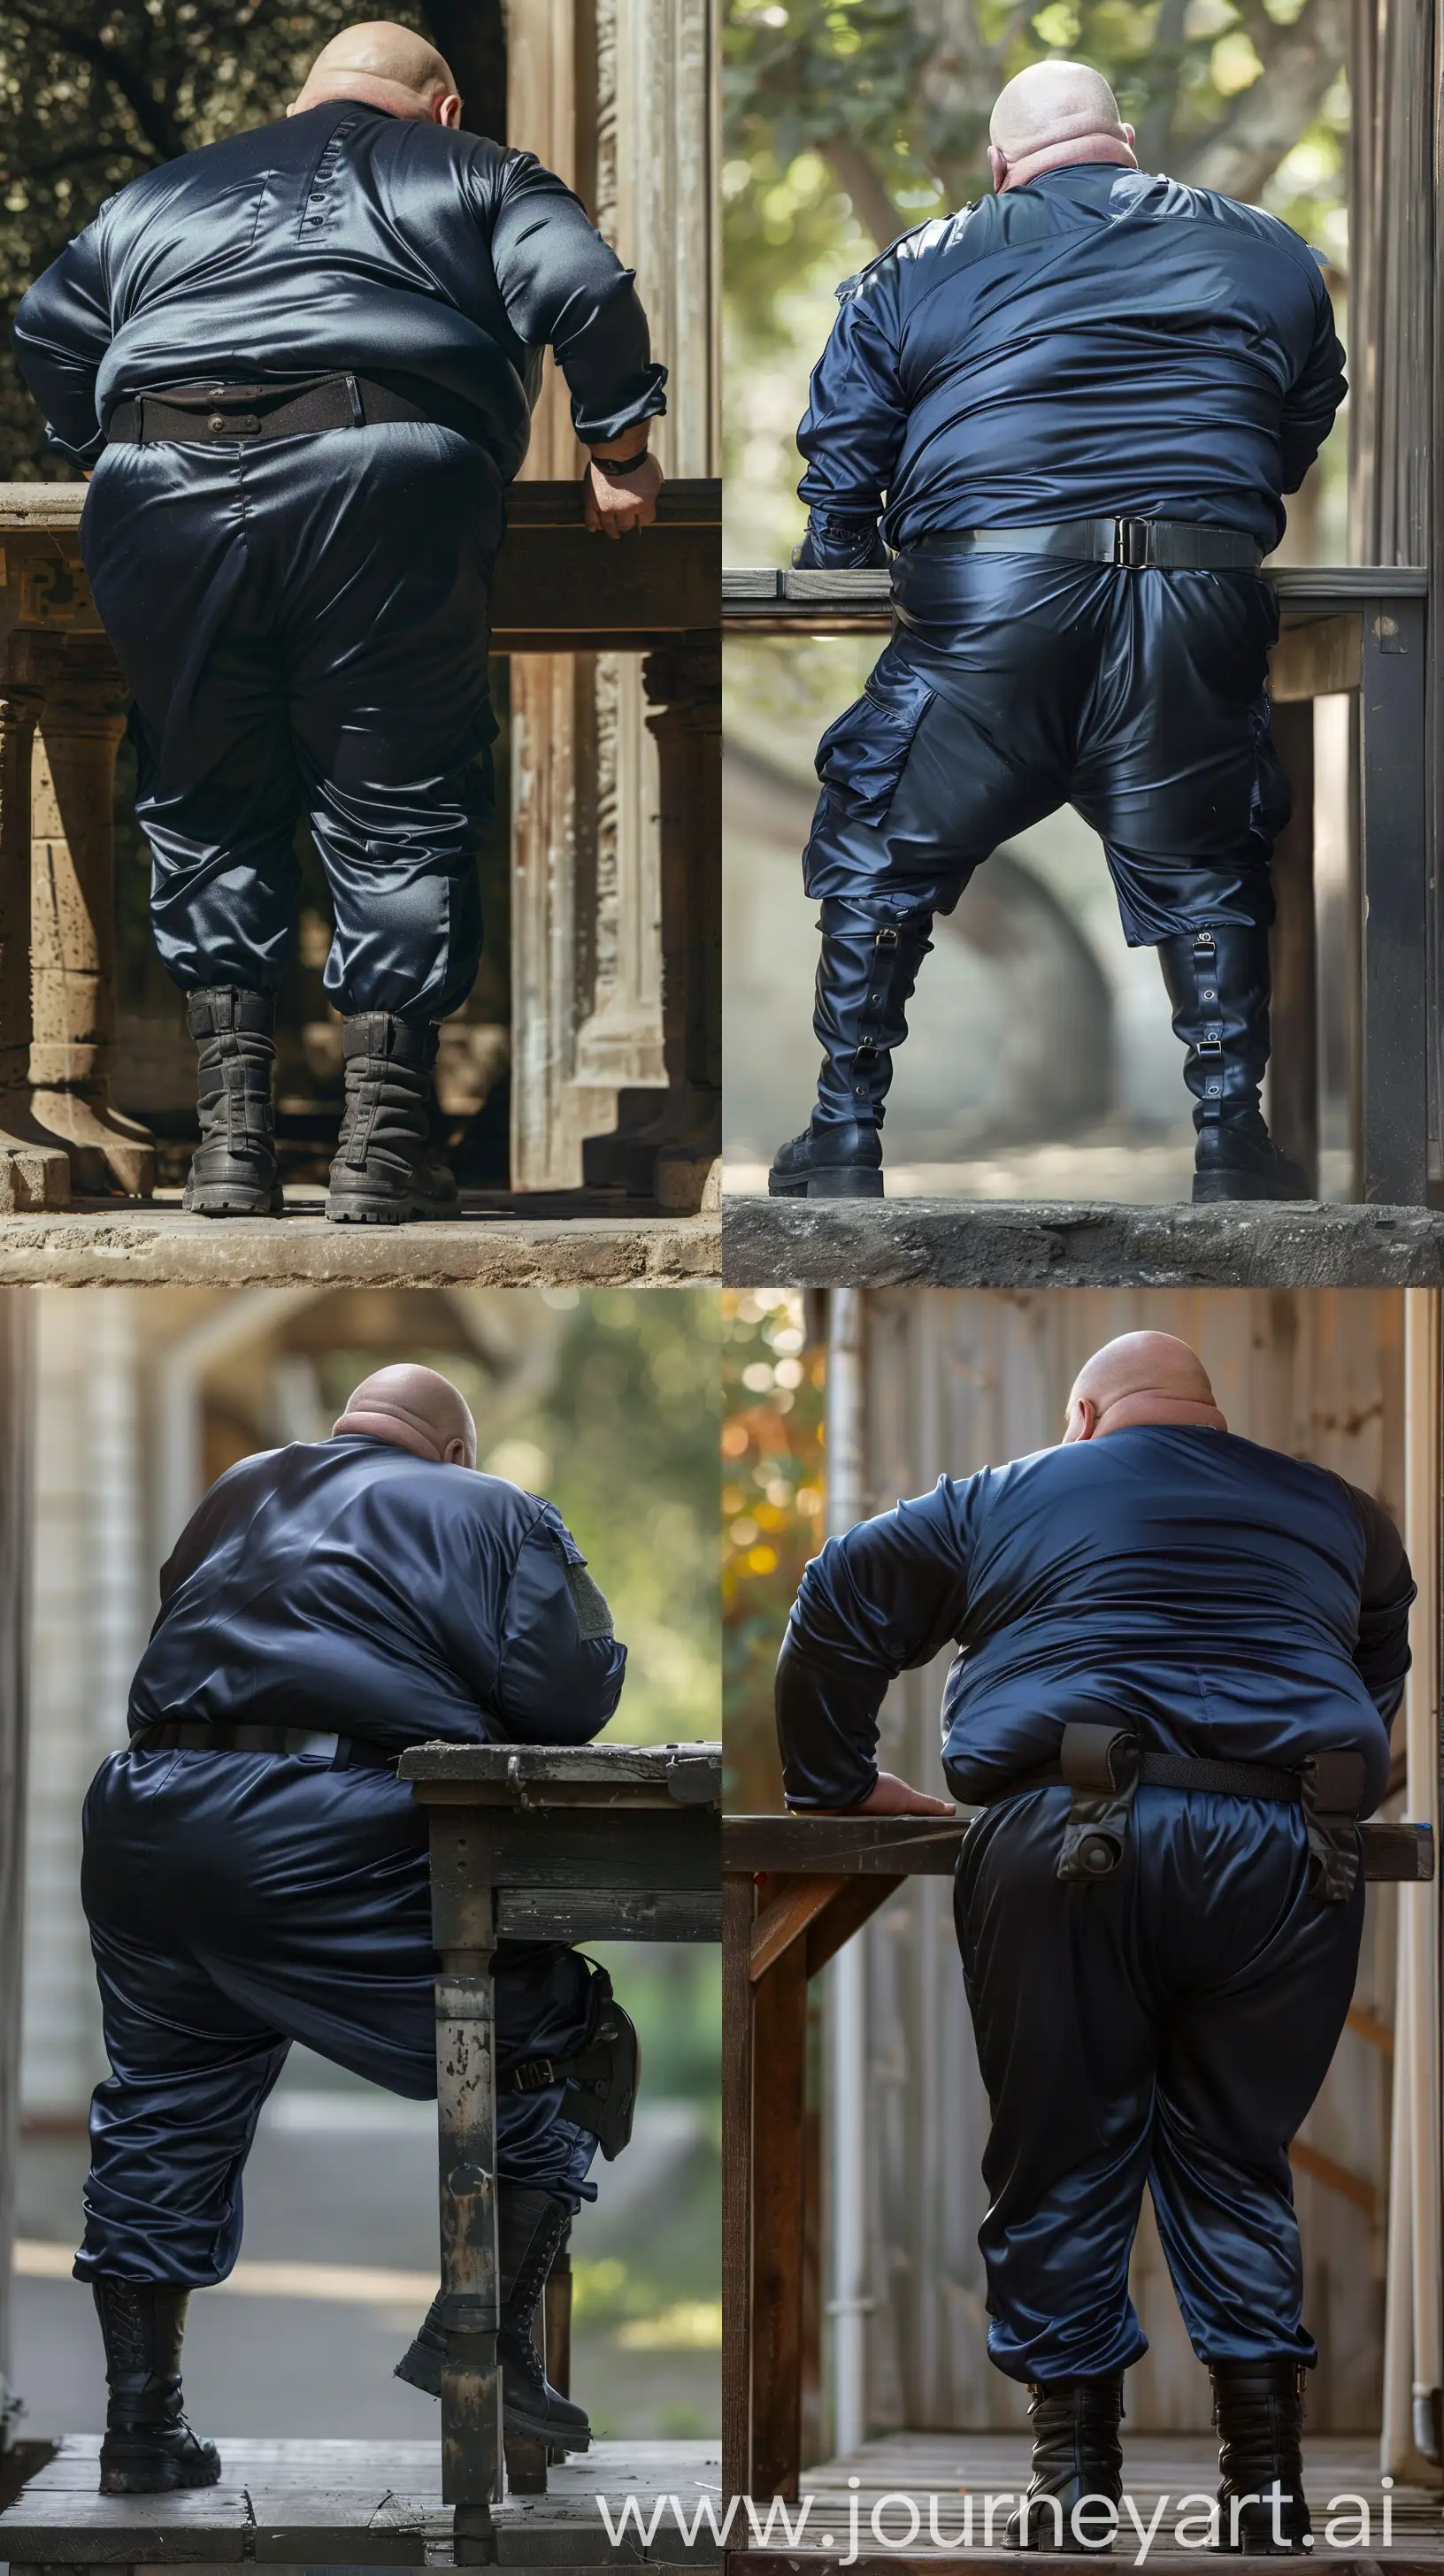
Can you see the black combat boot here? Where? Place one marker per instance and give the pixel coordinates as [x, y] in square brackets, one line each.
[383, 1171]
[1258, 2408]
[1076, 2453]
[233, 1172]
[1218, 984]
[531, 2229]
[865, 978]
[148, 2448]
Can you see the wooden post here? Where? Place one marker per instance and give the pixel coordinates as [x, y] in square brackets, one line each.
[34, 1170]
[73, 908]
[16, 1382]
[471, 2455]
[1293, 1075]
[779, 2071]
[739, 1905]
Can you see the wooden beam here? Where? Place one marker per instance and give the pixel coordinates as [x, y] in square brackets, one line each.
[787, 1909]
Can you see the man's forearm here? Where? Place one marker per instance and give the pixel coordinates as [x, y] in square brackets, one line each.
[826, 1728]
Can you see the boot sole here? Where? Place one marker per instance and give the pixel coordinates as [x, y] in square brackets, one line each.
[139, 2481]
[1213, 1189]
[227, 1202]
[836, 1184]
[385, 1211]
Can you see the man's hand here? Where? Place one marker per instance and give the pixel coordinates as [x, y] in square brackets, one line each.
[614, 508]
[890, 1796]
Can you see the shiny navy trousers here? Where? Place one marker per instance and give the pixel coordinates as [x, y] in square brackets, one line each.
[1015, 684]
[304, 626]
[238, 1902]
[1169, 2027]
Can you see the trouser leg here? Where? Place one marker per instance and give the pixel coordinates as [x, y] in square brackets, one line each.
[1241, 2062]
[188, 594]
[388, 610]
[1066, 2048]
[920, 780]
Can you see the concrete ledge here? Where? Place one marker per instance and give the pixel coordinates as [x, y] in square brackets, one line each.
[156, 1246]
[962, 1243]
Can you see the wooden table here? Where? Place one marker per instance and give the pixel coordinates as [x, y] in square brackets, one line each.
[795, 1888]
[1348, 629]
[607, 1842]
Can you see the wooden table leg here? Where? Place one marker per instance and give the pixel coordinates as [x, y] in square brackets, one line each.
[1395, 903]
[34, 1169]
[471, 2453]
[739, 1905]
[1293, 1078]
[779, 2075]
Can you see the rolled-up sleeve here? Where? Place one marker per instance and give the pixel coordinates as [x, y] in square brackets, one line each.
[62, 332]
[562, 1667]
[566, 290]
[878, 1602]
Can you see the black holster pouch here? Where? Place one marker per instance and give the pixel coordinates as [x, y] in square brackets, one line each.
[600, 2077]
[1331, 1786]
[1100, 1766]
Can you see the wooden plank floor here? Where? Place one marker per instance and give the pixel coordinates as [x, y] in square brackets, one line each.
[940, 2472]
[357, 2504]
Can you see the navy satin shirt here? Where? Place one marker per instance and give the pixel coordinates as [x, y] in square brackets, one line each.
[1222, 1599]
[345, 1584]
[342, 239]
[1098, 343]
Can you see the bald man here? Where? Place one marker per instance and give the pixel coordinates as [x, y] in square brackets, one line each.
[1068, 415]
[301, 363]
[255, 1874]
[1176, 1656]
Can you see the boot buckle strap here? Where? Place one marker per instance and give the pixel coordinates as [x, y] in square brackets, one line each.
[1209, 1043]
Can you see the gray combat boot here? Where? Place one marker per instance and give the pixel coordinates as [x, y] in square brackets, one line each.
[233, 1171]
[383, 1172]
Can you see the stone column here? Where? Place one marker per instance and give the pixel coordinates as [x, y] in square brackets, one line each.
[619, 96]
[34, 1171]
[684, 685]
[73, 896]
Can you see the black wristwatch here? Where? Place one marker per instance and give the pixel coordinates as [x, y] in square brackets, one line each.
[617, 468]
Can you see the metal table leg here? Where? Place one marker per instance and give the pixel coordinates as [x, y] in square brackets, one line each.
[471, 2455]
[1394, 890]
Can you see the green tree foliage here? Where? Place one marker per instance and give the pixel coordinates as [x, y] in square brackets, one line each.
[95, 94]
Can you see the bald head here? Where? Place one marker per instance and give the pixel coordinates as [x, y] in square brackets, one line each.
[1051, 114]
[413, 1408]
[1142, 1377]
[386, 66]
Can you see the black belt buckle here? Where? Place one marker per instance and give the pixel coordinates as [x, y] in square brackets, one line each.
[234, 424]
[1133, 544]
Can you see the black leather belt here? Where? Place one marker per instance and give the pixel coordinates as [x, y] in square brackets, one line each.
[212, 412]
[344, 1752]
[1138, 545]
[1178, 1771]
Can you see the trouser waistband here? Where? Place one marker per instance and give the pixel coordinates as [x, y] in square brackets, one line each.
[343, 1752]
[212, 412]
[1138, 545]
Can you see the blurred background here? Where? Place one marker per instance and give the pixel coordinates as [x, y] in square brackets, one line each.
[1041, 1062]
[902, 1386]
[606, 1403]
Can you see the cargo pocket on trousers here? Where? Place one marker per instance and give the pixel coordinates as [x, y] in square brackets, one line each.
[861, 758]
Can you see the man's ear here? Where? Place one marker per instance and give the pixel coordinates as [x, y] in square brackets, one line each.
[1129, 137]
[454, 1454]
[998, 164]
[448, 110]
